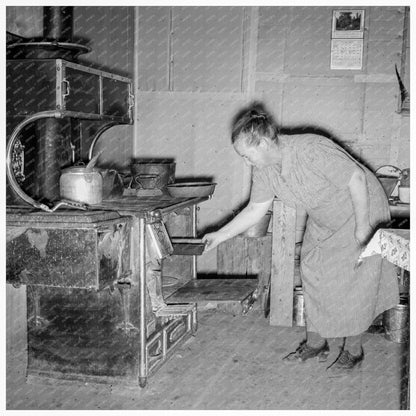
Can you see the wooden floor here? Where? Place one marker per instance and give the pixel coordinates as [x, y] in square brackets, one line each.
[233, 362]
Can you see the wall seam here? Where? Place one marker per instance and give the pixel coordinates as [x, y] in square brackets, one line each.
[135, 80]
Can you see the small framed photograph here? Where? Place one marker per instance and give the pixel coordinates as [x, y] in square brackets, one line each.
[348, 24]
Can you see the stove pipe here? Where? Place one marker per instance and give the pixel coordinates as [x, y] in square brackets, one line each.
[57, 23]
[53, 140]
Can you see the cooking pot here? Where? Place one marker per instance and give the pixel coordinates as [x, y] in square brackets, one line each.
[159, 173]
[81, 184]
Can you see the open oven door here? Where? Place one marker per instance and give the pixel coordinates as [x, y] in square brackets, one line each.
[243, 272]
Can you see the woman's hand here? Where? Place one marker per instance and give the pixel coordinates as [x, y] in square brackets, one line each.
[359, 197]
[212, 240]
[363, 234]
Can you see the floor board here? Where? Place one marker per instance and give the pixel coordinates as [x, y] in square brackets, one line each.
[233, 362]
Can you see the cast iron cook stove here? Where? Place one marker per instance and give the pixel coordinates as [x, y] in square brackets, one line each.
[87, 269]
[89, 312]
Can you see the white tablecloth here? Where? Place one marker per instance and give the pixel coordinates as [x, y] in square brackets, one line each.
[392, 244]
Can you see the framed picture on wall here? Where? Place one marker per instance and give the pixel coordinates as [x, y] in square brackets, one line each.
[348, 23]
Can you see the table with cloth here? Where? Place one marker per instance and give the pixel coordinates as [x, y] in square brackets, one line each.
[394, 246]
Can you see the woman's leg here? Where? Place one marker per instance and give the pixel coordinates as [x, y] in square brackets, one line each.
[350, 357]
[313, 346]
[353, 344]
[314, 340]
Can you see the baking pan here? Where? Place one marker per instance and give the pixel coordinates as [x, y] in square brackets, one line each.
[187, 246]
[191, 189]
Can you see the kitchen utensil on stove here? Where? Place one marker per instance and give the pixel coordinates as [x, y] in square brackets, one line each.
[147, 181]
[187, 246]
[90, 184]
[163, 169]
[113, 186]
[92, 162]
[191, 189]
[81, 184]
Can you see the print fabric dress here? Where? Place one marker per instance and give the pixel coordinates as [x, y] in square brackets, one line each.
[341, 297]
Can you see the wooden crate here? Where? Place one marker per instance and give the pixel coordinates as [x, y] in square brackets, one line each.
[247, 257]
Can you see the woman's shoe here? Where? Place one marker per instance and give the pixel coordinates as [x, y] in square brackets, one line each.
[346, 363]
[304, 352]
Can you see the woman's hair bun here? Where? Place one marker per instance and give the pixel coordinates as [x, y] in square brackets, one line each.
[253, 124]
[255, 114]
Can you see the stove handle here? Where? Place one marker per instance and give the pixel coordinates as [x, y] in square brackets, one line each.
[131, 104]
[65, 88]
[9, 168]
[68, 203]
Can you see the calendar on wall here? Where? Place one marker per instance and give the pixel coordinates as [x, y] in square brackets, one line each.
[347, 39]
[346, 53]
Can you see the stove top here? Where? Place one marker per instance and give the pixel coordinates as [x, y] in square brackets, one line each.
[23, 214]
[106, 210]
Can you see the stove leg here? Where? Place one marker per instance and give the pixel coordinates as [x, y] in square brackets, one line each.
[143, 363]
[142, 382]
